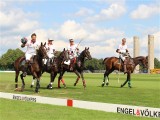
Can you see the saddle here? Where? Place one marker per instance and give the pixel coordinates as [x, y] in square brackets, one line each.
[129, 61]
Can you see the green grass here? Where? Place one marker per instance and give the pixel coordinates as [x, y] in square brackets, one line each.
[19, 110]
[145, 91]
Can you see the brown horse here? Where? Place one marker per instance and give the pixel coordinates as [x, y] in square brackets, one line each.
[112, 63]
[35, 69]
[78, 67]
[56, 66]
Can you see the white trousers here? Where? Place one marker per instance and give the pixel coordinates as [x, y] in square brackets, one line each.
[50, 57]
[28, 56]
[122, 57]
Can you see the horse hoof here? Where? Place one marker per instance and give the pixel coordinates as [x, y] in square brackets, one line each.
[130, 86]
[31, 86]
[36, 91]
[107, 84]
[59, 87]
[47, 86]
[74, 84]
[21, 90]
[50, 87]
[103, 85]
[16, 89]
[65, 86]
[121, 86]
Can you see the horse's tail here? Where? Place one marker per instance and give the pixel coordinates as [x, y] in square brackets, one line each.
[105, 59]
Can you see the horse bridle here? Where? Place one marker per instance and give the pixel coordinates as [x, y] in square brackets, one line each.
[43, 52]
[86, 54]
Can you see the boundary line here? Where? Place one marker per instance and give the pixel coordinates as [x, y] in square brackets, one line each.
[107, 107]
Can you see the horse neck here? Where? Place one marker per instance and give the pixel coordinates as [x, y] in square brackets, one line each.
[59, 59]
[39, 59]
[81, 57]
[137, 60]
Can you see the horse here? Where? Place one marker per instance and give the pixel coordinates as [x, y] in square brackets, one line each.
[112, 63]
[35, 69]
[78, 67]
[55, 67]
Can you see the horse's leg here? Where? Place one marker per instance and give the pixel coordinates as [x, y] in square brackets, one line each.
[84, 82]
[104, 79]
[129, 81]
[78, 77]
[110, 71]
[59, 78]
[63, 82]
[128, 77]
[52, 77]
[38, 82]
[16, 79]
[33, 80]
[23, 83]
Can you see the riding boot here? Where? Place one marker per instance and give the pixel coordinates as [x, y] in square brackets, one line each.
[125, 66]
[25, 68]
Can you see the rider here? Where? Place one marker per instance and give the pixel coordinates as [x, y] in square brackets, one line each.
[73, 52]
[50, 50]
[32, 46]
[122, 50]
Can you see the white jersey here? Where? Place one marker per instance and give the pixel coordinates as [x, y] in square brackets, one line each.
[72, 48]
[50, 49]
[32, 47]
[122, 48]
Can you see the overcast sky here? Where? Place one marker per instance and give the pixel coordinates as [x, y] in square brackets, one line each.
[100, 23]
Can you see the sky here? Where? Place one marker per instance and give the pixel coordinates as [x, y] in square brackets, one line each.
[99, 24]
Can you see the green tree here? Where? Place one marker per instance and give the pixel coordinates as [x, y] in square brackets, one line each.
[94, 64]
[7, 59]
[156, 63]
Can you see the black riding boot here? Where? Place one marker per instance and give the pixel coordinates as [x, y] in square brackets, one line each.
[25, 68]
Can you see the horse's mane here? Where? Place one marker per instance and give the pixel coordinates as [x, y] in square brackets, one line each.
[138, 57]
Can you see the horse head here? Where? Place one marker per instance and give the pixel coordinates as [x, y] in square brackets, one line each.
[87, 54]
[64, 55]
[143, 61]
[42, 51]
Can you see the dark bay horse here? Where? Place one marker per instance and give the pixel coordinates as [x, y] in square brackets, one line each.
[78, 67]
[56, 66]
[35, 69]
[112, 63]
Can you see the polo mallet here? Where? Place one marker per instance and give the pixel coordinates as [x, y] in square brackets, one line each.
[119, 70]
[118, 73]
[79, 43]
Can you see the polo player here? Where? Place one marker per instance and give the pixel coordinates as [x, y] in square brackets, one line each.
[50, 50]
[32, 47]
[123, 53]
[73, 52]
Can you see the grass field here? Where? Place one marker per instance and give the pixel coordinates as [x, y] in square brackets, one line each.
[145, 92]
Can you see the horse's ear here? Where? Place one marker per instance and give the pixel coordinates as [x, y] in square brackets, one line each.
[85, 48]
[88, 48]
[41, 43]
[64, 49]
[44, 43]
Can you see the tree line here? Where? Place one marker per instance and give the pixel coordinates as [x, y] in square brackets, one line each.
[7, 60]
